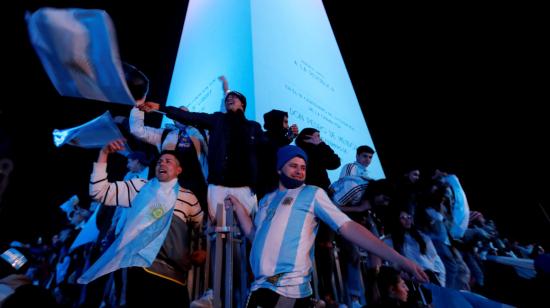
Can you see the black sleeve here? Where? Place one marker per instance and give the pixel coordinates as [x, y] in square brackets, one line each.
[197, 119]
[329, 159]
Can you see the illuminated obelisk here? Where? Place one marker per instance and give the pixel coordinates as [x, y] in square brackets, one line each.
[281, 54]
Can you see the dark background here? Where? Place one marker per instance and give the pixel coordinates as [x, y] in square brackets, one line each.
[454, 86]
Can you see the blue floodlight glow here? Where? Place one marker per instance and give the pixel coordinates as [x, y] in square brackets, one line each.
[281, 54]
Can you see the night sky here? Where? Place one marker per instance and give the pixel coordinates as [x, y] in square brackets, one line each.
[458, 88]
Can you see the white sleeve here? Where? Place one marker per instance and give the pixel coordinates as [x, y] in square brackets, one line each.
[119, 193]
[188, 205]
[327, 211]
[144, 133]
[349, 170]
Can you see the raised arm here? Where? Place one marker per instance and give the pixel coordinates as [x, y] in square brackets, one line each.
[197, 119]
[225, 84]
[144, 133]
[112, 193]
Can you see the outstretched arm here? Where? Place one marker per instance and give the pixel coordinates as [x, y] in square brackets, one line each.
[112, 193]
[197, 119]
[225, 84]
[362, 237]
[144, 133]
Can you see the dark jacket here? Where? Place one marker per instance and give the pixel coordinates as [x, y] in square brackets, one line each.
[232, 140]
[320, 159]
[277, 136]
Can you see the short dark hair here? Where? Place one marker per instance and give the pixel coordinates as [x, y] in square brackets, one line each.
[239, 95]
[137, 82]
[174, 153]
[379, 187]
[363, 149]
[387, 277]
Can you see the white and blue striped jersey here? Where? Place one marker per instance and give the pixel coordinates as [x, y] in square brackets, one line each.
[354, 169]
[286, 225]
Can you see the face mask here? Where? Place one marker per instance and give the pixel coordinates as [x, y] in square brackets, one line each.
[289, 183]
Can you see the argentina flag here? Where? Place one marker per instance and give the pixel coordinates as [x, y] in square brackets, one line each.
[93, 134]
[79, 51]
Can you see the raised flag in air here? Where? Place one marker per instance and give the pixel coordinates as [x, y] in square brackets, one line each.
[79, 51]
[90, 135]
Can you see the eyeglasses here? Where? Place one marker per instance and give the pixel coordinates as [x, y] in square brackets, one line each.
[405, 216]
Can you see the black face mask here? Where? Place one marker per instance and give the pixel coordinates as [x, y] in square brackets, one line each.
[289, 183]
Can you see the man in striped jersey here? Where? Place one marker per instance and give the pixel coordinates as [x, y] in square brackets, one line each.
[284, 231]
[154, 243]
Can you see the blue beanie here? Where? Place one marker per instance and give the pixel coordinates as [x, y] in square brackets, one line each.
[288, 152]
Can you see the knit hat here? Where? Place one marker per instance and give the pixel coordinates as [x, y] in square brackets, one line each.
[239, 95]
[288, 152]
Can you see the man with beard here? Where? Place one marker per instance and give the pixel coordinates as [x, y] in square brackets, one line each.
[278, 134]
[284, 230]
[232, 170]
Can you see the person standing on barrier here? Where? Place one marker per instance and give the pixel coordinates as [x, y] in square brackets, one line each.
[232, 167]
[232, 154]
[283, 234]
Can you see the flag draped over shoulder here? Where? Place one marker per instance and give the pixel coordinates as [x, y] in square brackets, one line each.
[79, 52]
[90, 135]
[147, 225]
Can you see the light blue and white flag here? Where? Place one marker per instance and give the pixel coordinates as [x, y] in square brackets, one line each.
[79, 51]
[148, 222]
[88, 233]
[90, 135]
[525, 268]
[69, 206]
[460, 209]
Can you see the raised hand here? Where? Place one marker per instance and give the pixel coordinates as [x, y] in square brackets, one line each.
[294, 129]
[149, 106]
[313, 139]
[114, 146]
[413, 269]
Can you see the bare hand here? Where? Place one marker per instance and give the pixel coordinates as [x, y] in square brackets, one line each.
[149, 106]
[414, 269]
[294, 129]
[198, 257]
[313, 139]
[114, 146]
[230, 201]
[224, 83]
